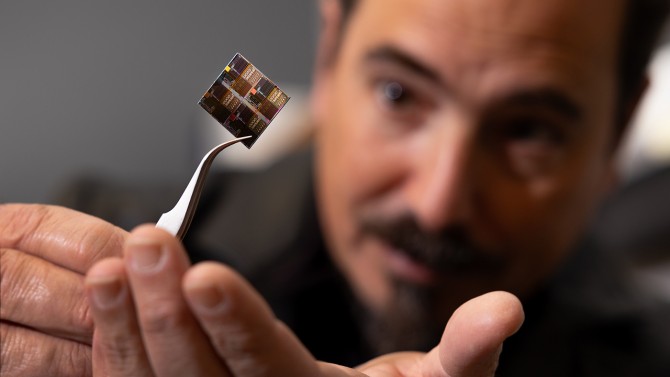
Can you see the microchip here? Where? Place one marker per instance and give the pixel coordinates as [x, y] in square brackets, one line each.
[243, 100]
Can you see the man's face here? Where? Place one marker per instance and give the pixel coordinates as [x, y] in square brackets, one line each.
[463, 143]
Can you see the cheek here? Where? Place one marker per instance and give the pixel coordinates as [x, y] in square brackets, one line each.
[347, 180]
[362, 160]
[357, 166]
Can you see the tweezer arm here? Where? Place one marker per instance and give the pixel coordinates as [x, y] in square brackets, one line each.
[178, 219]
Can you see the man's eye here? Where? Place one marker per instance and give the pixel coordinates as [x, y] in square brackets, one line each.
[393, 91]
[532, 131]
[532, 146]
[400, 103]
[393, 94]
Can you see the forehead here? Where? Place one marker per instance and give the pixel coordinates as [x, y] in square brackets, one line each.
[574, 23]
[465, 38]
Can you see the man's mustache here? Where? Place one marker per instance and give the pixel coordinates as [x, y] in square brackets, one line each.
[451, 249]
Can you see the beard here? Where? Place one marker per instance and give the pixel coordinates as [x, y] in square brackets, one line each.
[416, 315]
[408, 323]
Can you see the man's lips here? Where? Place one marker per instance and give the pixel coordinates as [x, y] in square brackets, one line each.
[405, 268]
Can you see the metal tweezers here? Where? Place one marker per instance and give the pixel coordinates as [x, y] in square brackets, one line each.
[179, 218]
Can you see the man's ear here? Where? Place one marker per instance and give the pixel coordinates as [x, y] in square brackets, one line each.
[327, 48]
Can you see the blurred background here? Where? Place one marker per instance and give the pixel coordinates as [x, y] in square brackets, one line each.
[110, 88]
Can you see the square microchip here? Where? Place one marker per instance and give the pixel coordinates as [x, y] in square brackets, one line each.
[243, 100]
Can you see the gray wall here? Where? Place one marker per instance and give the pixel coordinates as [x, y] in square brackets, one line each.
[110, 87]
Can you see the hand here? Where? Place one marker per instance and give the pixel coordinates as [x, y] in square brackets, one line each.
[45, 325]
[157, 316]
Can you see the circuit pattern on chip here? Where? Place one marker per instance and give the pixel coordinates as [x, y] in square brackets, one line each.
[243, 100]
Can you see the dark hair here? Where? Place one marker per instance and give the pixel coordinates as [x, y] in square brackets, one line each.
[642, 26]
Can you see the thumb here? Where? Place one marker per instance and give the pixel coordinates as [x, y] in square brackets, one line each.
[473, 338]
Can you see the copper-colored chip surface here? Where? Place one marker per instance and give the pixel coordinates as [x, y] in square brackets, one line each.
[243, 100]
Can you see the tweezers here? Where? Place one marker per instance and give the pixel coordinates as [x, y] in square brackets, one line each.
[178, 219]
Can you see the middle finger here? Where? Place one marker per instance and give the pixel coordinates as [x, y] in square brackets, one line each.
[175, 343]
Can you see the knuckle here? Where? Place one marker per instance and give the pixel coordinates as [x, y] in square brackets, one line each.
[122, 354]
[77, 361]
[12, 352]
[242, 350]
[161, 318]
[17, 221]
[242, 341]
[117, 349]
[82, 317]
[100, 240]
[236, 341]
[15, 286]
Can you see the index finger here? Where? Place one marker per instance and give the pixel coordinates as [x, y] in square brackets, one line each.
[67, 238]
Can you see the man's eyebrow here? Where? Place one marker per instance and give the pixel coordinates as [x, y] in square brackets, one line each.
[391, 54]
[545, 98]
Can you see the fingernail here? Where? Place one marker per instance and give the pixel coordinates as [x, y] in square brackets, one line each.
[145, 255]
[207, 299]
[106, 292]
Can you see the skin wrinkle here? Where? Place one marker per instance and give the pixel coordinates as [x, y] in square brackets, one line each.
[413, 364]
[73, 360]
[28, 228]
[91, 245]
[163, 317]
[239, 341]
[38, 292]
[9, 364]
[83, 315]
[4, 282]
[35, 290]
[97, 240]
[19, 223]
[28, 361]
[119, 355]
[122, 351]
[21, 287]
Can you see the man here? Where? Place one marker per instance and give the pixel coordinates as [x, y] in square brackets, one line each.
[462, 146]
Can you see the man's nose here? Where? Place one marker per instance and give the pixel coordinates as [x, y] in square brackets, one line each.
[440, 183]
